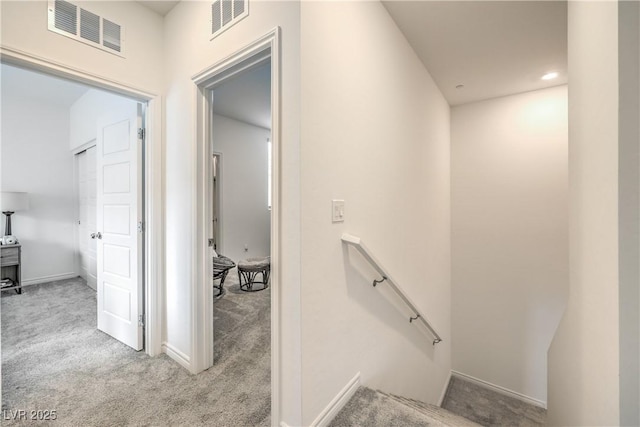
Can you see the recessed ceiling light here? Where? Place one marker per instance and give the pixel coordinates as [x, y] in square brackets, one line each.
[550, 76]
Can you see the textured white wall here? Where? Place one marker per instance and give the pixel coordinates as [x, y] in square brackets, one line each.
[584, 356]
[36, 159]
[188, 51]
[24, 27]
[375, 131]
[509, 242]
[245, 218]
[86, 111]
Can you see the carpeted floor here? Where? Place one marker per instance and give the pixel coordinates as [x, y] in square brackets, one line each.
[490, 408]
[54, 358]
[369, 408]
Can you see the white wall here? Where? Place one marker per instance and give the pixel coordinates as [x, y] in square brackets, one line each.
[36, 159]
[375, 131]
[245, 218]
[189, 51]
[584, 356]
[24, 27]
[86, 112]
[509, 242]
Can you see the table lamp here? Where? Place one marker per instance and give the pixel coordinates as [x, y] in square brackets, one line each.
[10, 203]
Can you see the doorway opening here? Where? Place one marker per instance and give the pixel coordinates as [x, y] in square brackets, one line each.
[245, 229]
[87, 216]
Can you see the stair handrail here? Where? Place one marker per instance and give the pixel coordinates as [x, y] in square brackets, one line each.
[356, 242]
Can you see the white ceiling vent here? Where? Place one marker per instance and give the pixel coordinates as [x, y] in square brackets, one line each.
[84, 26]
[225, 13]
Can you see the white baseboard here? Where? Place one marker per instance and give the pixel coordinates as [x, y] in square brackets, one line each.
[51, 278]
[338, 402]
[500, 389]
[176, 355]
[444, 390]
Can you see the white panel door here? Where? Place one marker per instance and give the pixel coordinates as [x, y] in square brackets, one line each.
[87, 188]
[118, 241]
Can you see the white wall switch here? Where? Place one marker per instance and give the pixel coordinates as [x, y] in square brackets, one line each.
[337, 210]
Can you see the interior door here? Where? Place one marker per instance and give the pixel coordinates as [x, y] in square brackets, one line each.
[87, 219]
[118, 237]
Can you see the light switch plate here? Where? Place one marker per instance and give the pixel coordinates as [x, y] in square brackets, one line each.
[337, 210]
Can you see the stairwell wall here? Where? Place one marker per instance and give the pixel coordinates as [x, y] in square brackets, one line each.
[584, 364]
[510, 251]
[375, 132]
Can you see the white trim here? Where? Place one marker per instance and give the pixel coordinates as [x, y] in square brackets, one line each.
[154, 256]
[337, 403]
[283, 424]
[21, 58]
[276, 138]
[50, 278]
[84, 147]
[266, 48]
[154, 228]
[499, 389]
[444, 389]
[178, 356]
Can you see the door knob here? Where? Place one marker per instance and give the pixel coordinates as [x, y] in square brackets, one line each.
[93, 235]
[97, 235]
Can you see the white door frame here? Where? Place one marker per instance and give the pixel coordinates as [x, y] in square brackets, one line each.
[218, 155]
[265, 48]
[154, 213]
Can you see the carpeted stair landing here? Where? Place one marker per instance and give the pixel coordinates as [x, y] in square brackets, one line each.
[373, 408]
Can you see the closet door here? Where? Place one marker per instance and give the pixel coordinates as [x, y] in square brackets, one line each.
[87, 187]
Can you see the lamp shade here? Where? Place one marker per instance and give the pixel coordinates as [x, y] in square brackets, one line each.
[12, 201]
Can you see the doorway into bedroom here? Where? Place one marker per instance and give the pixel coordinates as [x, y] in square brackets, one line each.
[85, 192]
[240, 223]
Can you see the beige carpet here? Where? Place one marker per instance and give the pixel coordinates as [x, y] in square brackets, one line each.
[53, 358]
[490, 408]
[369, 408]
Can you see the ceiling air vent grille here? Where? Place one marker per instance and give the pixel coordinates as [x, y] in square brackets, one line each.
[66, 17]
[87, 27]
[225, 13]
[111, 35]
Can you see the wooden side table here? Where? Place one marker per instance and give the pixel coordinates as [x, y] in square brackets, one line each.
[10, 268]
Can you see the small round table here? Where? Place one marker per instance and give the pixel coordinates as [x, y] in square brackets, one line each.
[248, 271]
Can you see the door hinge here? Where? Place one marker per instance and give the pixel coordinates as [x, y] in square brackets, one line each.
[141, 133]
[140, 320]
[140, 227]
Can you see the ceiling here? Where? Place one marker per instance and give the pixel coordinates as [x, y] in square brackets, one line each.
[246, 97]
[18, 82]
[160, 7]
[492, 48]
